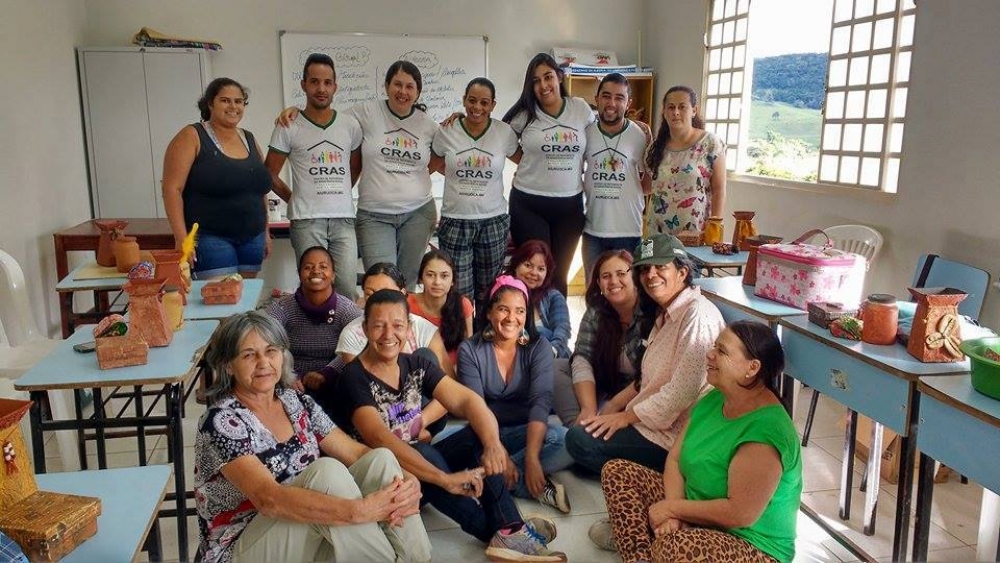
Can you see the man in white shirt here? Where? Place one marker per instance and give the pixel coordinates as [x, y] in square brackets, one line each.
[324, 151]
[615, 181]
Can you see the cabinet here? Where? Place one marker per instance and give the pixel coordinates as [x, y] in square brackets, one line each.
[134, 100]
[640, 85]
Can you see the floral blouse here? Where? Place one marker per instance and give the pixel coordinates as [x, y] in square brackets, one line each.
[682, 189]
[229, 430]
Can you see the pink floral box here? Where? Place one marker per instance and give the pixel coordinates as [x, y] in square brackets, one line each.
[797, 274]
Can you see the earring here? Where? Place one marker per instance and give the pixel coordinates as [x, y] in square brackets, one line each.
[524, 339]
[489, 333]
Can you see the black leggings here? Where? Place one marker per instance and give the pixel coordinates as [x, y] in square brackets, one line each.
[556, 220]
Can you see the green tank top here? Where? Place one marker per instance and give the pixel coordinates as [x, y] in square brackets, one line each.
[709, 446]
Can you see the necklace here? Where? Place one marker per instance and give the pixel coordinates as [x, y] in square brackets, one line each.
[619, 134]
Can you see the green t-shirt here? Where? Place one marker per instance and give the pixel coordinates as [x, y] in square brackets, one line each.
[709, 446]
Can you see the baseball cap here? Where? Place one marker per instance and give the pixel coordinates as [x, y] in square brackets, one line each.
[658, 250]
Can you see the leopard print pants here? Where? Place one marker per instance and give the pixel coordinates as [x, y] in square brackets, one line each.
[630, 489]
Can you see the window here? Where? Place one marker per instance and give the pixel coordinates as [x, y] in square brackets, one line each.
[828, 101]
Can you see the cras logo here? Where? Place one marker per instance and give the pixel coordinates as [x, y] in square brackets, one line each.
[325, 158]
[609, 165]
[474, 163]
[560, 138]
[400, 143]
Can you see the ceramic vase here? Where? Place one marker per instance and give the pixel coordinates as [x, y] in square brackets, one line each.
[744, 228]
[146, 312]
[110, 230]
[126, 253]
[168, 267]
[936, 332]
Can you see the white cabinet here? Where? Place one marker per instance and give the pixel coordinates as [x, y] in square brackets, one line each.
[134, 101]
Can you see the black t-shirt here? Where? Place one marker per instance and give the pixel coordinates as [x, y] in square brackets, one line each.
[399, 408]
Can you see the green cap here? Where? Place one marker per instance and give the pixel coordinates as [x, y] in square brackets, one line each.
[658, 250]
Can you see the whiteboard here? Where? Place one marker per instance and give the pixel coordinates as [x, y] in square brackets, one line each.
[446, 63]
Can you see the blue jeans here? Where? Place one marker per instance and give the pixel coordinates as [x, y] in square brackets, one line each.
[593, 247]
[400, 239]
[495, 508]
[220, 256]
[554, 456]
[592, 453]
[337, 236]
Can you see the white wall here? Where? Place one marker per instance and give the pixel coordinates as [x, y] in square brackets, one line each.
[43, 173]
[948, 201]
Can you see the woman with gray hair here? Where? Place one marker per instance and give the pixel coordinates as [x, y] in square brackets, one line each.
[262, 491]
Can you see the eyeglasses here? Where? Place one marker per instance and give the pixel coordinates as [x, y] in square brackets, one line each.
[620, 274]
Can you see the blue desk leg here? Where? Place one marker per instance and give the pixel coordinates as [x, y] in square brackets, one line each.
[37, 438]
[175, 394]
[847, 468]
[925, 494]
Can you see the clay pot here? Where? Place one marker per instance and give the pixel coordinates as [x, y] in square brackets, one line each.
[750, 270]
[168, 267]
[146, 312]
[110, 230]
[126, 253]
[936, 332]
[173, 306]
[744, 228]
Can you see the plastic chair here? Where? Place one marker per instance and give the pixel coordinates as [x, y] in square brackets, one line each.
[22, 346]
[858, 239]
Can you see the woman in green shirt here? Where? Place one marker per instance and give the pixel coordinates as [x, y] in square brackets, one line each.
[731, 487]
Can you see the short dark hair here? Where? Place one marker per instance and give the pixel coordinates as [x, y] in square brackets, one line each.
[761, 343]
[485, 83]
[318, 248]
[386, 297]
[318, 59]
[614, 78]
[214, 87]
[406, 67]
[385, 269]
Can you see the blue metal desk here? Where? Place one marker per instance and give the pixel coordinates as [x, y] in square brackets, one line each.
[130, 498]
[710, 261]
[171, 366]
[876, 381]
[959, 427]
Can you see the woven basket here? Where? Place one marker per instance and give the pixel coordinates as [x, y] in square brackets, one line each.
[15, 486]
[49, 525]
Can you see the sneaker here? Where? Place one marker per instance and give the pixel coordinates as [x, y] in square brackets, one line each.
[554, 495]
[543, 527]
[523, 544]
[600, 534]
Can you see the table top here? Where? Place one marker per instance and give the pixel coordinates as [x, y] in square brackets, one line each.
[65, 368]
[959, 393]
[196, 308]
[893, 358]
[136, 227]
[732, 291]
[69, 284]
[705, 256]
[130, 498]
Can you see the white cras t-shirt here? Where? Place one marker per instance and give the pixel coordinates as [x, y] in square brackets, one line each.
[553, 146]
[611, 181]
[395, 153]
[473, 181]
[320, 157]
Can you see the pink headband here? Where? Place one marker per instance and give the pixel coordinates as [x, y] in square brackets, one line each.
[509, 281]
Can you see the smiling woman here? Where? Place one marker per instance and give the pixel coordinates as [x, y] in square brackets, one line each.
[263, 491]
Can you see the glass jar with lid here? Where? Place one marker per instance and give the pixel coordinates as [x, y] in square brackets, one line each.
[881, 316]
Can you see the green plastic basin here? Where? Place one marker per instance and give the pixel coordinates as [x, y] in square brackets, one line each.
[985, 372]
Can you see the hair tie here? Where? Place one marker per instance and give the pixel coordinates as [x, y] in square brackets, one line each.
[509, 281]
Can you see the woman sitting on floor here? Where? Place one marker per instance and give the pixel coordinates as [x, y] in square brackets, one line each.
[684, 326]
[441, 303]
[733, 480]
[533, 264]
[262, 491]
[381, 393]
[510, 366]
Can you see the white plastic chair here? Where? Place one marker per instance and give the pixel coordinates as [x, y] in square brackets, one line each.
[22, 346]
[858, 239]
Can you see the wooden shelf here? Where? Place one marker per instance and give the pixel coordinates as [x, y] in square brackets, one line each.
[641, 86]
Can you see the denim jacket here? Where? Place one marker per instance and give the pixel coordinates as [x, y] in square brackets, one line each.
[555, 325]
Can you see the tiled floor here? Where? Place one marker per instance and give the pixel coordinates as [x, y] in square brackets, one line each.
[953, 529]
